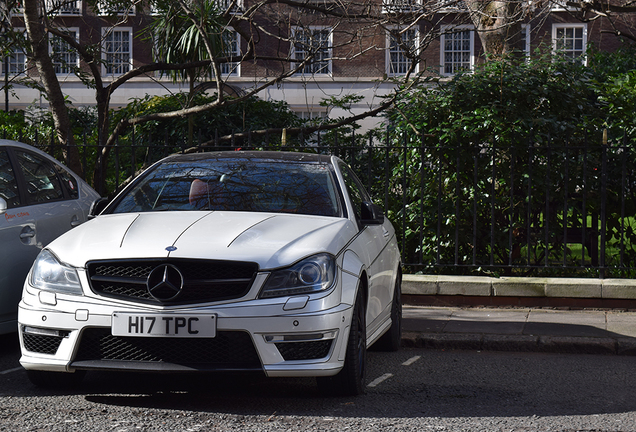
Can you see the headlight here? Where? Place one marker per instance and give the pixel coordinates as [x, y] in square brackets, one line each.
[313, 274]
[48, 274]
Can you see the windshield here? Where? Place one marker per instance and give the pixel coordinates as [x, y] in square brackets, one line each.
[234, 185]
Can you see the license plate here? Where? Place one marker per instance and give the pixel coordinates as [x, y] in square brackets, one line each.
[164, 325]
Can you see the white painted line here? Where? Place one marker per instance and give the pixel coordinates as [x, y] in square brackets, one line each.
[11, 370]
[377, 381]
[412, 360]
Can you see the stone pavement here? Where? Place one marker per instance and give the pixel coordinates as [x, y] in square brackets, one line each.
[520, 329]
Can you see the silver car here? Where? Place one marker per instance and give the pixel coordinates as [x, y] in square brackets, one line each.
[40, 199]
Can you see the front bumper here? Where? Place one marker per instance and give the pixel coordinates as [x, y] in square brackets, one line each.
[66, 333]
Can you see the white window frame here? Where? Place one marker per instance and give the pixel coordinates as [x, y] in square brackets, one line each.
[556, 50]
[232, 69]
[16, 66]
[308, 68]
[307, 113]
[65, 67]
[526, 28]
[401, 6]
[314, 116]
[102, 10]
[65, 9]
[395, 50]
[448, 31]
[108, 32]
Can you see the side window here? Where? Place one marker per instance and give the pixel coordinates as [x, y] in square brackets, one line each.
[356, 191]
[8, 182]
[40, 177]
[68, 182]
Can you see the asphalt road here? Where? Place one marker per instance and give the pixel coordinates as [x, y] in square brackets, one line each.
[411, 390]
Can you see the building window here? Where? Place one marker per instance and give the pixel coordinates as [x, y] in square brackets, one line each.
[457, 49]
[16, 60]
[225, 4]
[231, 48]
[402, 46]
[64, 7]
[401, 6]
[562, 6]
[311, 117]
[570, 40]
[525, 39]
[308, 115]
[115, 8]
[117, 51]
[448, 6]
[65, 58]
[315, 43]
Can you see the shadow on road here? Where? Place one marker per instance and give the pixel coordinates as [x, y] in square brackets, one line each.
[443, 382]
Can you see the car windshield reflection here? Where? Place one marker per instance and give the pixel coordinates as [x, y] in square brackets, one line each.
[235, 185]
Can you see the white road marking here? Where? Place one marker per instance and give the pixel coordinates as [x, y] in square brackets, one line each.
[377, 381]
[11, 370]
[410, 361]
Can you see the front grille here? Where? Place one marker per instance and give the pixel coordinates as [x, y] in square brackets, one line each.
[304, 350]
[228, 350]
[41, 344]
[203, 280]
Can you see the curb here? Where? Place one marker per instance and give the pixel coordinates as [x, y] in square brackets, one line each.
[485, 286]
[520, 343]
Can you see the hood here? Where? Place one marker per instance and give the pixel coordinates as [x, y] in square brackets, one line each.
[271, 240]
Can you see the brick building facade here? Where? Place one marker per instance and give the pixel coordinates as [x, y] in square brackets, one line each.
[355, 56]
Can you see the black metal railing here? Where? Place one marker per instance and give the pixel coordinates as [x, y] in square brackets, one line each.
[534, 207]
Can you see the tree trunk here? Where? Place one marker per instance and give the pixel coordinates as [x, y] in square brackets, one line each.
[498, 24]
[102, 97]
[35, 24]
[192, 75]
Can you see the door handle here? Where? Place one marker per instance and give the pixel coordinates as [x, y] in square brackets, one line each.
[27, 233]
[75, 221]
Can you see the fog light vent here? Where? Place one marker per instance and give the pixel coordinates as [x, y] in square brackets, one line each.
[42, 341]
[304, 350]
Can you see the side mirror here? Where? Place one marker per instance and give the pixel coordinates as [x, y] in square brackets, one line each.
[3, 206]
[371, 214]
[97, 207]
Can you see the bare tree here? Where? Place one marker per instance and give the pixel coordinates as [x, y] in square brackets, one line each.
[269, 29]
[36, 29]
[619, 14]
[280, 41]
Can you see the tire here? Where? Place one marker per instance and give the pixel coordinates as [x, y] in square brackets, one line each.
[350, 381]
[392, 339]
[55, 380]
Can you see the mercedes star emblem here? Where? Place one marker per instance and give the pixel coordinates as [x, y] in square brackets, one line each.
[165, 282]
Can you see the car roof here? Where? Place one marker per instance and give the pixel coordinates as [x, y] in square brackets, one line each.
[6, 142]
[273, 156]
[17, 144]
